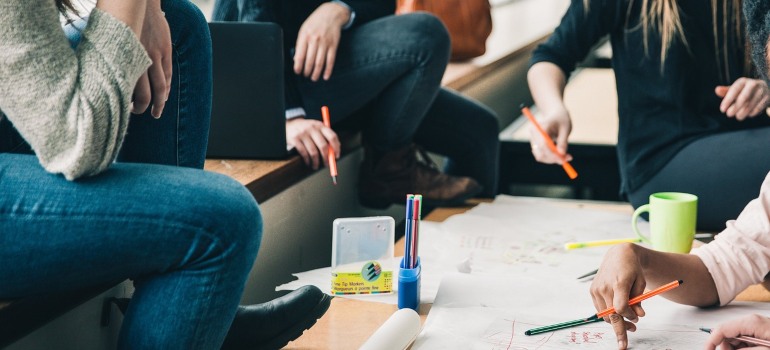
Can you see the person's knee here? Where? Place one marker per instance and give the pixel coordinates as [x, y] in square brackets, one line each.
[226, 209]
[427, 30]
[186, 18]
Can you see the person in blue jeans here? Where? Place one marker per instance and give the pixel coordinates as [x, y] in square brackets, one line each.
[72, 218]
[381, 73]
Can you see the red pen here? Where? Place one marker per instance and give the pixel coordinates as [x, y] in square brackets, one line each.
[332, 159]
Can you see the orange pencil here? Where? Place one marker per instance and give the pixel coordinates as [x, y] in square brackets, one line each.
[638, 299]
[565, 164]
[598, 316]
[332, 159]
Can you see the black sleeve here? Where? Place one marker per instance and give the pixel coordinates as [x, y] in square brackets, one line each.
[579, 31]
[256, 10]
[369, 10]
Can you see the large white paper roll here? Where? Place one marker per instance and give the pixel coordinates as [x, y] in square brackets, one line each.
[397, 333]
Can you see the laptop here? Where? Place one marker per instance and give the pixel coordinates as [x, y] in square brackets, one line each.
[248, 115]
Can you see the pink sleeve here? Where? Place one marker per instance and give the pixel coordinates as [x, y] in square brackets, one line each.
[740, 255]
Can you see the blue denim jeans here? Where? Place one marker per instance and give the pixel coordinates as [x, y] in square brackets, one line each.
[187, 237]
[388, 74]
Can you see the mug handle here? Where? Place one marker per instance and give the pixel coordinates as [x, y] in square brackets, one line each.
[634, 220]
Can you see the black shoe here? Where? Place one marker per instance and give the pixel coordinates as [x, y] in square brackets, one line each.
[274, 324]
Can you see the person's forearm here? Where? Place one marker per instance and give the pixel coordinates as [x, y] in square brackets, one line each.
[129, 12]
[660, 268]
[546, 83]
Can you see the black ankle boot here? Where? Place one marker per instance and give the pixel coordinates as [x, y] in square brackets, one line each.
[274, 324]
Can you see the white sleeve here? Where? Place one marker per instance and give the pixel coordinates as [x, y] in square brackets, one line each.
[740, 255]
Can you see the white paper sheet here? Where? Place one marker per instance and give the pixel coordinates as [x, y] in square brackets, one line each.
[482, 312]
[510, 236]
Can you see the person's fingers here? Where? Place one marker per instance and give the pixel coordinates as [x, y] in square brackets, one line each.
[731, 95]
[721, 90]
[561, 139]
[300, 147]
[312, 49]
[159, 89]
[323, 146]
[299, 54]
[331, 57]
[630, 326]
[743, 101]
[619, 326]
[318, 66]
[142, 95]
[168, 70]
[620, 302]
[540, 151]
[333, 140]
[312, 151]
[757, 104]
[598, 296]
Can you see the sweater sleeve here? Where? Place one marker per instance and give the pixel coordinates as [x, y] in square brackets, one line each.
[71, 106]
[740, 255]
[579, 31]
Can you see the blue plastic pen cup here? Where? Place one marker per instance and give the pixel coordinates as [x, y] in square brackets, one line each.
[409, 286]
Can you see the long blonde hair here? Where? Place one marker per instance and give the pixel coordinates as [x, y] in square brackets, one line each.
[663, 17]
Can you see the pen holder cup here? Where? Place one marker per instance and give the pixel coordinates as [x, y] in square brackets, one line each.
[409, 286]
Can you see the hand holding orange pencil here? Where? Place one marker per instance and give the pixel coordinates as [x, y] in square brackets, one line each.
[331, 157]
[565, 164]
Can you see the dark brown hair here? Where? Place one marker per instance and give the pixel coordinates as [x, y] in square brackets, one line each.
[65, 5]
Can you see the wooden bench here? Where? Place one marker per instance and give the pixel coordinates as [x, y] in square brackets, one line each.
[591, 99]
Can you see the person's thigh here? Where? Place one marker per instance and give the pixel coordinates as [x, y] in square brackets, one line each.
[180, 136]
[133, 221]
[724, 170]
[467, 133]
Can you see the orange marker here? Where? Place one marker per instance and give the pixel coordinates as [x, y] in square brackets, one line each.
[598, 316]
[332, 158]
[638, 299]
[565, 164]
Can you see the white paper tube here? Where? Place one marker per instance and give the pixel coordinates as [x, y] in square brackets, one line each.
[397, 333]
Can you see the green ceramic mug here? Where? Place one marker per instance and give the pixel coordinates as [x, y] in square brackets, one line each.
[672, 221]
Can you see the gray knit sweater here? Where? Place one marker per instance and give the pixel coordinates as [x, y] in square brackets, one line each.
[72, 107]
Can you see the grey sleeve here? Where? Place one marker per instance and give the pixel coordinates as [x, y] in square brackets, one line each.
[71, 106]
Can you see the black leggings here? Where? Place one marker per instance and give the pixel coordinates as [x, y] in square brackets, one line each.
[724, 170]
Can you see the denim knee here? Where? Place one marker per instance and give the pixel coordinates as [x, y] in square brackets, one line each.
[425, 32]
[227, 210]
[183, 14]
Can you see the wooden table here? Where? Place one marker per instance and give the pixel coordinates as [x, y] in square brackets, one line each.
[345, 326]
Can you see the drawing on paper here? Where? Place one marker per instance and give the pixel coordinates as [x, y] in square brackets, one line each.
[508, 334]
